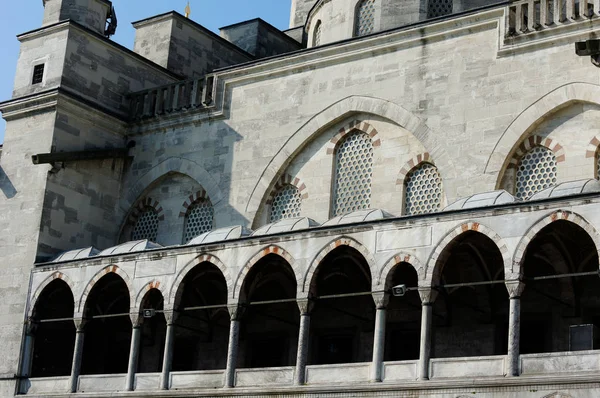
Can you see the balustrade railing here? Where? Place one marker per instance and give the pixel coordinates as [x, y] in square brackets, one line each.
[176, 97]
[528, 16]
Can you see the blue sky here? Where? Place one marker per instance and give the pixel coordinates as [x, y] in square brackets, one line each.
[24, 15]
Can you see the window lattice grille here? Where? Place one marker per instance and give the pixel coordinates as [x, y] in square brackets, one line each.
[438, 8]
[286, 204]
[146, 226]
[199, 219]
[536, 172]
[365, 18]
[423, 190]
[353, 174]
[317, 36]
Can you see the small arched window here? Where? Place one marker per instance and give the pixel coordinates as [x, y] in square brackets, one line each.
[146, 225]
[438, 8]
[286, 203]
[317, 34]
[353, 174]
[423, 190]
[536, 171]
[365, 17]
[199, 218]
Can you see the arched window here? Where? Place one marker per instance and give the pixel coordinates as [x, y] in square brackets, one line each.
[317, 34]
[198, 219]
[536, 172]
[365, 17]
[353, 174]
[146, 225]
[286, 203]
[438, 8]
[423, 193]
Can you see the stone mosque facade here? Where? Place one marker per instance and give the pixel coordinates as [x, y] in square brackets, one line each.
[392, 198]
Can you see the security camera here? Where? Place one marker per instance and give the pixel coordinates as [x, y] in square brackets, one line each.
[149, 313]
[399, 290]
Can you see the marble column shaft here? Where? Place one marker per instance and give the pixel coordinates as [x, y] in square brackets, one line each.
[168, 353]
[515, 288]
[77, 354]
[303, 342]
[381, 301]
[134, 350]
[235, 313]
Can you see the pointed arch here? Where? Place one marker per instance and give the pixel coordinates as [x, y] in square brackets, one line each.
[323, 120]
[411, 164]
[203, 258]
[438, 256]
[170, 165]
[564, 215]
[331, 246]
[401, 257]
[525, 122]
[107, 270]
[272, 249]
[155, 284]
[49, 279]
[355, 125]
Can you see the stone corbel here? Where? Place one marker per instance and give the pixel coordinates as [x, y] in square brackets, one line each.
[236, 311]
[80, 324]
[170, 316]
[137, 319]
[305, 305]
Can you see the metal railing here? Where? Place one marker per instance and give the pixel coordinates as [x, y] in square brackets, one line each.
[176, 97]
[528, 16]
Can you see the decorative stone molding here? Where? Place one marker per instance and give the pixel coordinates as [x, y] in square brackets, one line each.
[80, 324]
[308, 281]
[99, 275]
[411, 164]
[531, 142]
[592, 148]
[46, 282]
[144, 290]
[355, 125]
[305, 305]
[284, 180]
[141, 206]
[192, 199]
[272, 249]
[440, 253]
[515, 288]
[236, 312]
[530, 117]
[175, 291]
[381, 300]
[137, 319]
[559, 215]
[384, 275]
[428, 295]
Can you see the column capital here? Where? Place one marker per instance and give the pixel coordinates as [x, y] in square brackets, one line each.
[236, 311]
[305, 305]
[80, 324]
[31, 326]
[170, 316]
[515, 288]
[137, 319]
[381, 300]
[428, 295]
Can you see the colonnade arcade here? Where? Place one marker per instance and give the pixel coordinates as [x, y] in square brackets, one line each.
[469, 308]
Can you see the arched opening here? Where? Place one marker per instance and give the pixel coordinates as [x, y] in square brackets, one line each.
[471, 320]
[153, 332]
[553, 310]
[201, 336]
[107, 338]
[54, 341]
[403, 316]
[269, 334]
[342, 328]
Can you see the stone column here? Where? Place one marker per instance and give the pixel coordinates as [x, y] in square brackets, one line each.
[235, 312]
[305, 306]
[134, 350]
[515, 288]
[30, 331]
[168, 353]
[428, 296]
[381, 302]
[77, 352]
